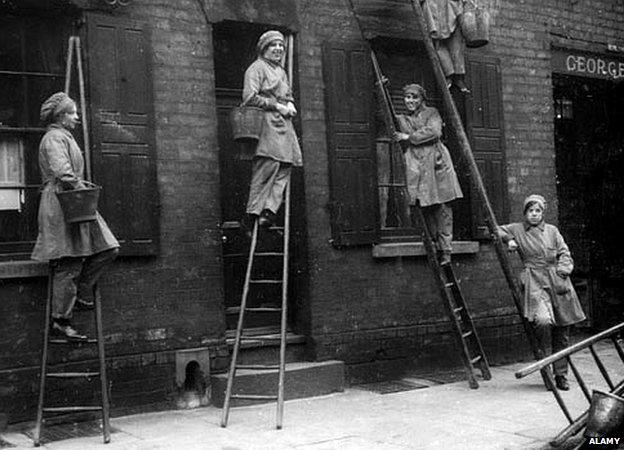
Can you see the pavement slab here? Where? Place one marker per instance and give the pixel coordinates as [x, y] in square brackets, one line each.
[504, 413]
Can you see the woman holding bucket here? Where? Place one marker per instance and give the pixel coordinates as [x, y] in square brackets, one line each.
[266, 86]
[77, 252]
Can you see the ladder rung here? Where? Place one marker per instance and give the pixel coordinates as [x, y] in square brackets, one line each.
[72, 341]
[269, 254]
[254, 397]
[458, 310]
[72, 374]
[266, 281]
[72, 408]
[261, 338]
[276, 228]
[263, 309]
[466, 334]
[448, 285]
[445, 263]
[257, 367]
[475, 359]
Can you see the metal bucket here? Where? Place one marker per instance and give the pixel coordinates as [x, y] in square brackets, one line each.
[475, 27]
[606, 415]
[246, 122]
[79, 205]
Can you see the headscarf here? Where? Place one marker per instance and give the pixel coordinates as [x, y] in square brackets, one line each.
[267, 38]
[56, 104]
[534, 199]
[415, 89]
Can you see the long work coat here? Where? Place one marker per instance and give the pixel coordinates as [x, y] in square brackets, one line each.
[265, 85]
[429, 172]
[61, 164]
[442, 16]
[544, 252]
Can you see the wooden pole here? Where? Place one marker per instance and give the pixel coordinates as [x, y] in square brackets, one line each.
[83, 111]
[68, 64]
[475, 176]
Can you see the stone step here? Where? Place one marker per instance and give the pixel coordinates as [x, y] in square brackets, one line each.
[266, 351]
[302, 379]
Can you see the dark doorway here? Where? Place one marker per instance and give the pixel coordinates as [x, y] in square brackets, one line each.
[589, 138]
[234, 50]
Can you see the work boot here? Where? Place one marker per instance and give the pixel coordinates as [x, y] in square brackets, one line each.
[461, 84]
[562, 383]
[247, 224]
[267, 218]
[444, 257]
[81, 303]
[62, 328]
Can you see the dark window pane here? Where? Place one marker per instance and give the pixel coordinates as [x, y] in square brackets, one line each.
[10, 45]
[11, 101]
[46, 45]
[39, 89]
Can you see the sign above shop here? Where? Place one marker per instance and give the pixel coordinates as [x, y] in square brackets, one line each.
[587, 64]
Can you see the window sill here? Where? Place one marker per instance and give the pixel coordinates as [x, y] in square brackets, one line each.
[392, 250]
[22, 269]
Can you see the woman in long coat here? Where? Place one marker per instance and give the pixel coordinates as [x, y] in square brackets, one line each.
[550, 302]
[78, 252]
[431, 179]
[266, 86]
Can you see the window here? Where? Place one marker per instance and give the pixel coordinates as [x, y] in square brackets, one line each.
[367, 182]
[32, 61]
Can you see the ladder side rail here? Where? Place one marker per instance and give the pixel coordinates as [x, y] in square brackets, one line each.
[460, 300]
[284, 315]
[290, 42]
[579, 378]
[618, 347]
[437, 274]
[534, 367]
[475, 176]
[102, 360]
[44, 356]
[239, 327]
[601, 367]
[83, 110]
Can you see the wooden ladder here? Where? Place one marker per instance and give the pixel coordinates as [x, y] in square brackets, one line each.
[240, 337]
[453, 299]
[63, 376]
[457, 310]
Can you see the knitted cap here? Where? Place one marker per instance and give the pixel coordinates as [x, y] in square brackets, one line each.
[267, 38]
[534, 198]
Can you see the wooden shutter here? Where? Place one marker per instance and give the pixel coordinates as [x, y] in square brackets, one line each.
[352, 158]
[122, 129]
[485, 128]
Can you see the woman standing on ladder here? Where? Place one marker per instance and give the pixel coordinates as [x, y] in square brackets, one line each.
[430, 175]
[266, 86]
[77, 252]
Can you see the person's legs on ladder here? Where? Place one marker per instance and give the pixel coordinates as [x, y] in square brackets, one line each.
[444, 55]
[456, 48]
[92, 268]
[264, 172]
[64, 296]
[276, 194]
[440, 223]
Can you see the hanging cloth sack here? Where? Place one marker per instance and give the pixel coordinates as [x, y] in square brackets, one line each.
[475, 25]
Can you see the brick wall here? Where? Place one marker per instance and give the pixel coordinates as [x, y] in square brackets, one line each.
[358, 304]
[153, 305]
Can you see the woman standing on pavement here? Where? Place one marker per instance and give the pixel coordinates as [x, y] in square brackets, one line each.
[550, 302]
[431, 179]
[78, 252]
[266, 86]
